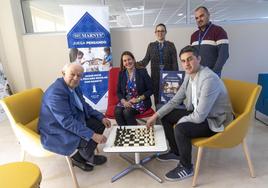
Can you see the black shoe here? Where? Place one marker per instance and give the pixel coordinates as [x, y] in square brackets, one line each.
[82, 165]
[179, 173]
[97, 160]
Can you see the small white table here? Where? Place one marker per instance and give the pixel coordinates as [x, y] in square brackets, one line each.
[160, 146]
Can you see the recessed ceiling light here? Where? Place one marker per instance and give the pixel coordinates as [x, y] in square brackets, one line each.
[133, 9]
[137, 25]
[180, 14]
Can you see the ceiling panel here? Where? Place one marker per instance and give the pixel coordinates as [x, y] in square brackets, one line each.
[137, 13]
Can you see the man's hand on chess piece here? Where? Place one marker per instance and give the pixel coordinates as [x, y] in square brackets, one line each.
[151, 121]
[99, 138]
[106, 122]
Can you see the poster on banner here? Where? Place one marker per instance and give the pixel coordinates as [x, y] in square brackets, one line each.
[92, 59]
[170, 82]
[89, 42]
[4, 91]
[95, 86]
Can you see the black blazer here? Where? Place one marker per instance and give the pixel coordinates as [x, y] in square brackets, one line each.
[169, 56]
[143, 83]
[169, 60]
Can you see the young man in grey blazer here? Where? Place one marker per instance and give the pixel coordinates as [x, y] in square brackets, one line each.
[208, 111]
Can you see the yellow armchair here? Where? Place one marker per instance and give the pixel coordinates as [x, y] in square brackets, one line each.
[243, 97]
[23, 110]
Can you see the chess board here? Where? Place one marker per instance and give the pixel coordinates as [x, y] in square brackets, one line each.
[134, 137]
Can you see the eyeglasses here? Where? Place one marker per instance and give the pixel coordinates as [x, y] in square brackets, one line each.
[160, 31]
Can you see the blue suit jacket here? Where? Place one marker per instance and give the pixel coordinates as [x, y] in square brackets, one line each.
[143, 83]
[61, 123]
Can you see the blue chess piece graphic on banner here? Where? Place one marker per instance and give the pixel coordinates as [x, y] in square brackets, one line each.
[94, 85]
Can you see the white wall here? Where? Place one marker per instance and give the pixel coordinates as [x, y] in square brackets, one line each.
[11, 45]
[45, 54]
[248, 51]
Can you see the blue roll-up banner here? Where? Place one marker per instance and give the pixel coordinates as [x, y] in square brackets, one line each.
[89, 40]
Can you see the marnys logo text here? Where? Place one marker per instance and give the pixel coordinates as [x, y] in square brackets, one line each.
[89, 35]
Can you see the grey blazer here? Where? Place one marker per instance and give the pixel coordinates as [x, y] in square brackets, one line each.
[213, 102]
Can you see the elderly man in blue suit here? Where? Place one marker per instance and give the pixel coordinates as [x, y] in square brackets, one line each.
[68, 125]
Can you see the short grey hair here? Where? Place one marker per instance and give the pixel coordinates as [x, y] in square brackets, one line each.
[67, 65]
[204, 8]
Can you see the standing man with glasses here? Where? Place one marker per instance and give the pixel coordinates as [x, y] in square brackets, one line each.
[163, 56]
[211, 40]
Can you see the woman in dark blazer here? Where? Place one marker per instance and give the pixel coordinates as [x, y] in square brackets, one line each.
[163, 56]
[133, 90]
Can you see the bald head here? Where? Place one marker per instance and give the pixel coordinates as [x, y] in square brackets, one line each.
[72, 73]
[71, 65]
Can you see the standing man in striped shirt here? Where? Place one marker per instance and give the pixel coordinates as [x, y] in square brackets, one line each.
[211, 40]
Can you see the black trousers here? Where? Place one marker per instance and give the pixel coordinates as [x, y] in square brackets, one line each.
[86, 148]
[125, 116]
[179, 135]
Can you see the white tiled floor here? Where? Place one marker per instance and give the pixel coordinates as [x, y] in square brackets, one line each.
[219, 168]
